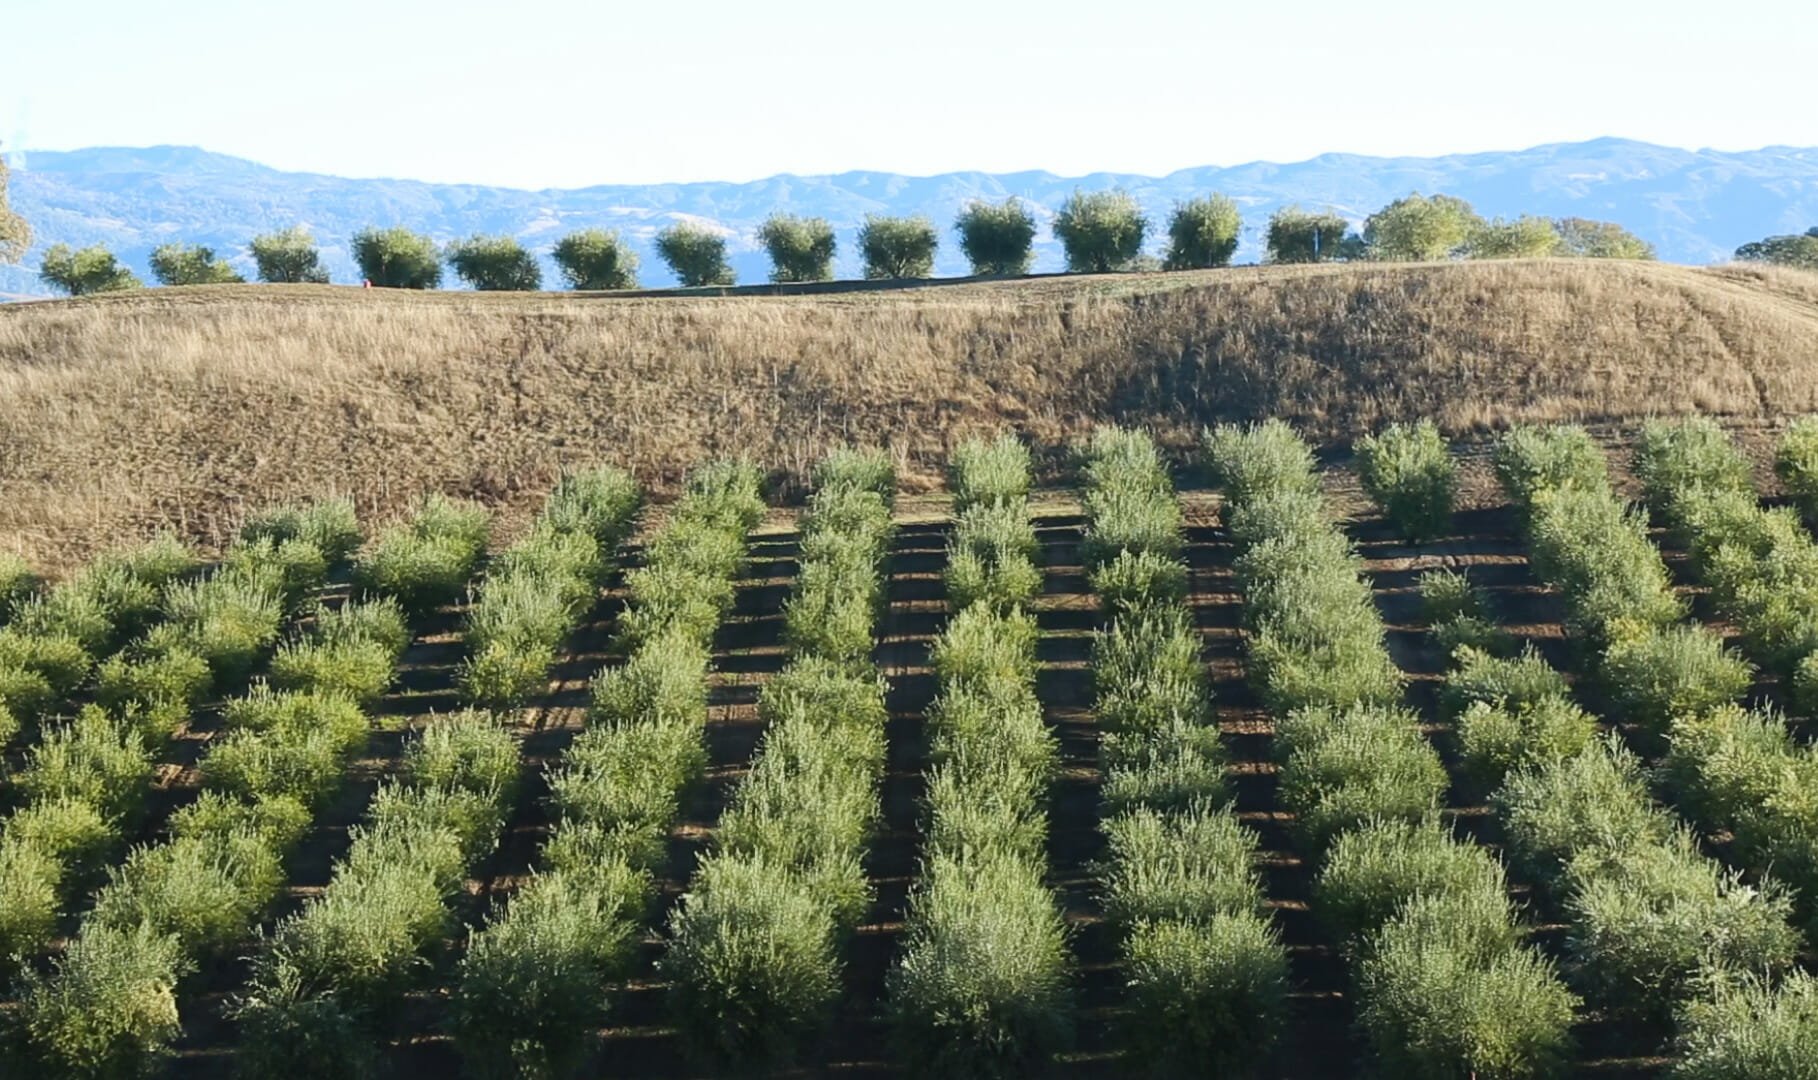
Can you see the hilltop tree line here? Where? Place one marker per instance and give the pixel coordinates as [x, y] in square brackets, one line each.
[1099, 232]
[1800, 251]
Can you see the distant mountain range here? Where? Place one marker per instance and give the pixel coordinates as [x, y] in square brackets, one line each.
[1695, 206]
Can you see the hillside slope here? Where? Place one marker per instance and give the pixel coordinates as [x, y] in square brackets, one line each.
[187, 407]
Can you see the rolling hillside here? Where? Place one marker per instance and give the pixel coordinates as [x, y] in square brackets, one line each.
[124, 413]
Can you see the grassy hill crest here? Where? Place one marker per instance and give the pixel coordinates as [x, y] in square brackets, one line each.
[187, 408]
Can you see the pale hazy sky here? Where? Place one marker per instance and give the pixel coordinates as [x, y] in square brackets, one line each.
[562, 93]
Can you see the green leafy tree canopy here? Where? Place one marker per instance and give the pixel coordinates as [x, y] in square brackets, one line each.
[695, 254]
[91, 270]
[1100, 231]
[1585, 239]
[1301, 236]
[897, 247]
[1800, 251]
[1202, 233]
[495, 264]
[596, 259]
[1420, 229]
[801, 249]
[289, 257]
[15, 234]
[997, 238]
[186, 264]
[397, 258]
[1526, 237]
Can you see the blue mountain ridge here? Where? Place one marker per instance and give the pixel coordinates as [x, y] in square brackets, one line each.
[1696, 206]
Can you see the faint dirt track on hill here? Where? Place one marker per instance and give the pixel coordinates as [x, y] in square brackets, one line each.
[188, 407]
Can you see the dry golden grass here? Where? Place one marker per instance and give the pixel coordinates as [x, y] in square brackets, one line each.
[119, 414]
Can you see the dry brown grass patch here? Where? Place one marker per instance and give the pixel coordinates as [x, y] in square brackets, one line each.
[189, 407]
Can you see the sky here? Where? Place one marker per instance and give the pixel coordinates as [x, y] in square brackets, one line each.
[553, 93]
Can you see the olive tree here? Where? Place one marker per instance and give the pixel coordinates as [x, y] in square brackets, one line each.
[1526, 237]
[289, 257]
[106, 1007]
[1420, 229]
[1800, 251]
[397, 258]
[597, 259]
[15, 234]
[996, 238]
[1202, 233]
[1101, 231]
[91, 270]
[696, 254]
[1586, 239]
[1300, 236]
[895, 247]
[186, 264]
[495, 264]
[801, 249]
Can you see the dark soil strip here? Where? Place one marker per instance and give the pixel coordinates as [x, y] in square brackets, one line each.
[545, 728]
[1318, 1042]
[1068, 615]
[916, 612]
[747, 650]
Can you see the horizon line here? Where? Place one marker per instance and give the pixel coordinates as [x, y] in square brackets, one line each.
[27, 152]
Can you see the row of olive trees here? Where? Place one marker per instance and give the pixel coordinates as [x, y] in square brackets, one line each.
[288, 256]
[395, 258]
[1100, 232]
[1103, 232]
[1420, 228]
[1800, 250]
